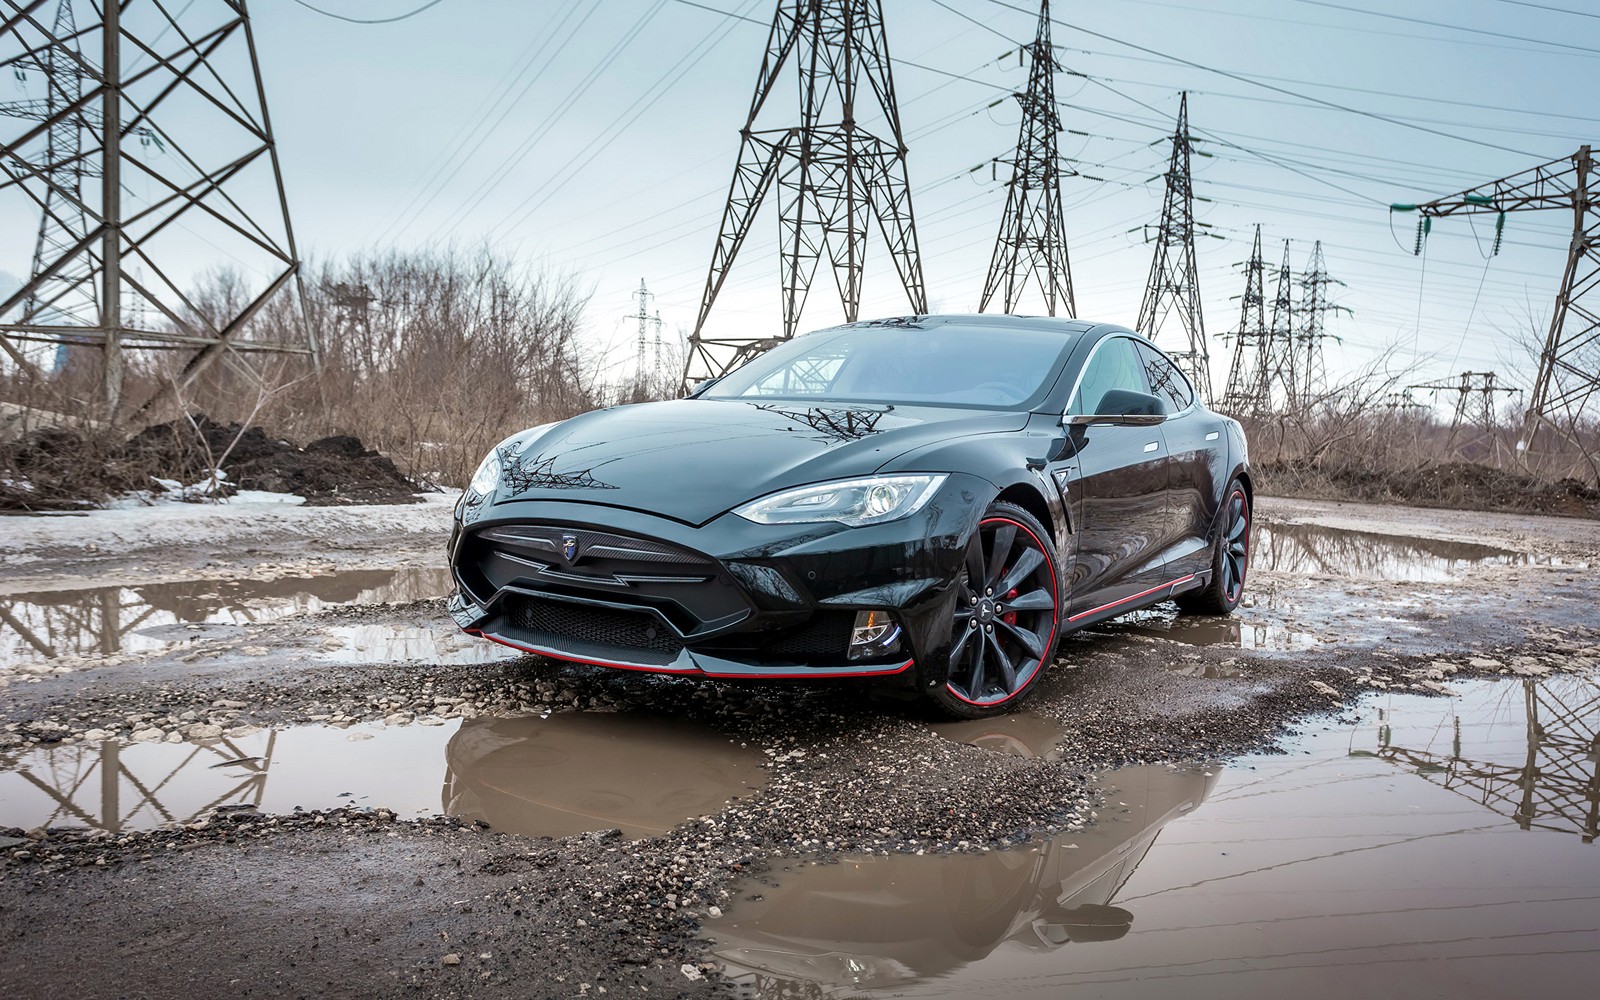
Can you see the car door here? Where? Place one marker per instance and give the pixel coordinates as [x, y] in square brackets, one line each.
[1116, 477]
[1192, 436]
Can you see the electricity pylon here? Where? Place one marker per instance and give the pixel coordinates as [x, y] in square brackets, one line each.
[1311, 365]
[1475, 400]
[1277, 350]
[832, 175]
[179, 137]
[1248, 388]
[1174, 285]
[1033, 235]
[65, 292]
[640, 374]
[1569, 362]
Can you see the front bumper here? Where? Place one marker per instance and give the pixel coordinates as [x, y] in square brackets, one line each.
[729, 598]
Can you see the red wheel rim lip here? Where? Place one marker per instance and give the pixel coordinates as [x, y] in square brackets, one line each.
[1055, 618]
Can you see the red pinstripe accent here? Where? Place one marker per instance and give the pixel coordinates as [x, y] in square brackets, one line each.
[798, 672]
[1135, 597]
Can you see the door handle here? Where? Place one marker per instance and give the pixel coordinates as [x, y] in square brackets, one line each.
[1152, 446]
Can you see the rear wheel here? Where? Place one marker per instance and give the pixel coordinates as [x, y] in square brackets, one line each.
[1230, 560]
[1007, 615]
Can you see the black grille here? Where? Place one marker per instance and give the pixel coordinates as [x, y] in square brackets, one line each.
[689, 588]
[827, 634]
[601, 627]
[825, 639]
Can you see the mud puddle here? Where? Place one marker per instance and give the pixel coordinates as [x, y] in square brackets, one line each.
[541, 777]
[1314, 550]
[107, 621]
[1248, 628]
[1430, 841]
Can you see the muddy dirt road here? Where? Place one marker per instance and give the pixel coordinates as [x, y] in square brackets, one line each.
[243, 752]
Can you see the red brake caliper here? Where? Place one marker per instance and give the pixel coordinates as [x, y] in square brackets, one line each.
[1010, 617]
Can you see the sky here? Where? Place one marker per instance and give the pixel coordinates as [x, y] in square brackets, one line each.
[597, 138]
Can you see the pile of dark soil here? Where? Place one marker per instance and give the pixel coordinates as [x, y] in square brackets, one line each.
[1454, 485]
[63, 469]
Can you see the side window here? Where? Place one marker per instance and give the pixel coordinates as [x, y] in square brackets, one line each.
[1115, 365]
[1166, 382]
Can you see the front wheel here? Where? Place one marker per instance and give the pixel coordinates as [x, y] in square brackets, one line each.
[1007, 615]
[1230, 560]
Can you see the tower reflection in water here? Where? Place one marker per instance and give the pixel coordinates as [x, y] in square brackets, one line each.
[1533, 754]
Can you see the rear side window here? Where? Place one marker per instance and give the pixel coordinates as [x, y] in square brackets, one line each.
[1167, 383]
[1115, 365]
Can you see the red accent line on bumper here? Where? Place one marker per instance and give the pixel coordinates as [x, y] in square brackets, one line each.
[813, 673]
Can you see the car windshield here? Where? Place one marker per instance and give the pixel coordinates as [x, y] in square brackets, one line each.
[989, 366]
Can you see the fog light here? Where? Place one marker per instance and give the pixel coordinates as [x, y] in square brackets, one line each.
[876, 634]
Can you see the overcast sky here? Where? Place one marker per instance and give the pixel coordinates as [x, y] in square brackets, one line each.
[598, 139]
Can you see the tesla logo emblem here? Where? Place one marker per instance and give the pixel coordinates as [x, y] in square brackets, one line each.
[569, 546]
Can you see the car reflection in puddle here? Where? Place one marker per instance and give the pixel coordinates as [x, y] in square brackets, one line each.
[875, 922]
[541, 777]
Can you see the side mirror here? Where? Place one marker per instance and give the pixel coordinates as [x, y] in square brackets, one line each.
[1123, 406]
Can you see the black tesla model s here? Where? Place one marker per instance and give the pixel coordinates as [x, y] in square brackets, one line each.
[928, 500]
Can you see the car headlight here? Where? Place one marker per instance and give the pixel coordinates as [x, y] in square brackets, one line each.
[487, 477]
[853, 502]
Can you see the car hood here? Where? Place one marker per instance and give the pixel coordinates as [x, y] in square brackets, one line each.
[693, 459]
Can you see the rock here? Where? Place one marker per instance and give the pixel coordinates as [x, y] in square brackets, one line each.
[451, 959]
[174, 737]
[204, 731]
[690, 972]
[714, 912]
[97, 736]
[151, 735]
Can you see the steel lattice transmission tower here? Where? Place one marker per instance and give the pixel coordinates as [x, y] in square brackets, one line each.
[1569, 362]
[1033, 235]
[1475, 398]
[1311, 364]
[832, 174]
[1174, 285]
[1277, 350]
[1248, 388]
[66, 293]
[165, 105]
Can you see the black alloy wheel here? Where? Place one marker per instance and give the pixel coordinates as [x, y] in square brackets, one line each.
[1230, 563]
[1006, 616]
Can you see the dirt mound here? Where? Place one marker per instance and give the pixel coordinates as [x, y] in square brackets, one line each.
[1455, 485]
[64, 469]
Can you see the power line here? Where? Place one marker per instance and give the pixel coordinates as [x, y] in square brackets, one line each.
[370, 20]
[1269, 86]
[1451, 27]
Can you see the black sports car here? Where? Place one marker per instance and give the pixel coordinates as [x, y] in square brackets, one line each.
[928, 500]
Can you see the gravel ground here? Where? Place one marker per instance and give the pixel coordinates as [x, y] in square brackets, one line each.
[348, 903]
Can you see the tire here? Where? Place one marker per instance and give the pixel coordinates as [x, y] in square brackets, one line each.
[1014, 643]
[1230, 560]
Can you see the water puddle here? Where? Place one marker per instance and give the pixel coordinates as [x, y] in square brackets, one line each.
[1020, 734]
[106, 621]
[435, 644]
[1240, 630]
[1434, 846]
[1312, 550]
[548, 777]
